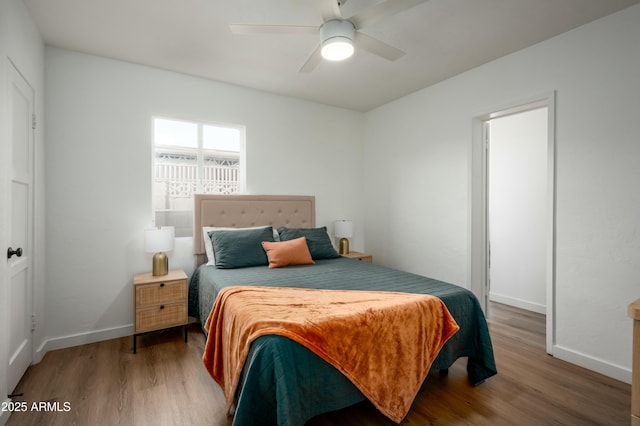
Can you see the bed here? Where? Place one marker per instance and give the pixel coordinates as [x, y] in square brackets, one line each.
[283, 382]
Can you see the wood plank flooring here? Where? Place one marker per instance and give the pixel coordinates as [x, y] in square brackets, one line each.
[166, 384]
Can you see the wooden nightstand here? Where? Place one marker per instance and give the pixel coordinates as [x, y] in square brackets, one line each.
[360, 256]
[160, 302]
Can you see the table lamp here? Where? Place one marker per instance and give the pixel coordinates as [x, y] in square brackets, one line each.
[343, 229]
[158, 241]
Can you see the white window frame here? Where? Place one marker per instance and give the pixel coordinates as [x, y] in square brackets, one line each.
[200, 158]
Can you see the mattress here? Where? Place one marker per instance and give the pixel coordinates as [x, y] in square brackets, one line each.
[284, 383]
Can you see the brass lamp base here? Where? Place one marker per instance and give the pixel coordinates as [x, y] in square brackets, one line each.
[344, 246]
[160, 264]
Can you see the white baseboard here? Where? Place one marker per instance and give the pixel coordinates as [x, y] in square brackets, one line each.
[594, 364]
[78, 339]
[599, 366]
[518, 303]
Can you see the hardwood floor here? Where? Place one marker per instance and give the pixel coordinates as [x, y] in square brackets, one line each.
[166, 384]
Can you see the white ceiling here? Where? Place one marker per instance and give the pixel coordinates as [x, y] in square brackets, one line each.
[441, 38]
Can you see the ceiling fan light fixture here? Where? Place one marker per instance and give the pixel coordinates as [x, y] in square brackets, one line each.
[337, 49]
[337, 40]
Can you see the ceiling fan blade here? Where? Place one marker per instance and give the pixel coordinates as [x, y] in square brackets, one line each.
[244, 29]
[312, 61]
[374, 13]
[329, 9]
[377, 47]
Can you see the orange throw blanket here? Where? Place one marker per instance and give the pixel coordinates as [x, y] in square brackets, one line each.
[384, 342]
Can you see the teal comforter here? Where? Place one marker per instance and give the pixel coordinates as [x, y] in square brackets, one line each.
[284, 383]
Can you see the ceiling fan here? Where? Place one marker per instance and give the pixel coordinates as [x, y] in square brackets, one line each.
[337, 34]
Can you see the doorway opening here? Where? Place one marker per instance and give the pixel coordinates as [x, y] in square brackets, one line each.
[509, 262]
[516, 191]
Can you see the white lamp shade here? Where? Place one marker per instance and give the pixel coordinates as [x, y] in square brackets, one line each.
[159, 239]
[337, 40]
[343, 229]
[337, 49]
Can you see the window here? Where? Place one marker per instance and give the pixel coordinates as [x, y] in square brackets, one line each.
[191, 157]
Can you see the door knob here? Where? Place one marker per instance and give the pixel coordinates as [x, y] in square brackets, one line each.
[11, 252]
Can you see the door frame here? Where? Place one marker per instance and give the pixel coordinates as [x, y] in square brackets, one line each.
[478, 269]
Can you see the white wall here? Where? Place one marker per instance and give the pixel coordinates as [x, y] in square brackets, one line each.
[20, 43]
[416, 213]
[518, 209]
[99, 175]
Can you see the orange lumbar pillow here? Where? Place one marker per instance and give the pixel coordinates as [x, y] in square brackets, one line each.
[286, 253]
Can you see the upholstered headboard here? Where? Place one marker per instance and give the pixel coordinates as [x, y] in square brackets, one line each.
[241, 211]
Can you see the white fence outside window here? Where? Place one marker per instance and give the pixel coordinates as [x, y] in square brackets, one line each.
[176, 179]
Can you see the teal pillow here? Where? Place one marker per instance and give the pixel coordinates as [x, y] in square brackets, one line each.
[318, 241]
[240, 248]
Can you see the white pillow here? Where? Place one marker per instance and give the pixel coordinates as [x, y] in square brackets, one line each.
[208, 244]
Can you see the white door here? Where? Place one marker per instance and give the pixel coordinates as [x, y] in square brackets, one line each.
[20, 253]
